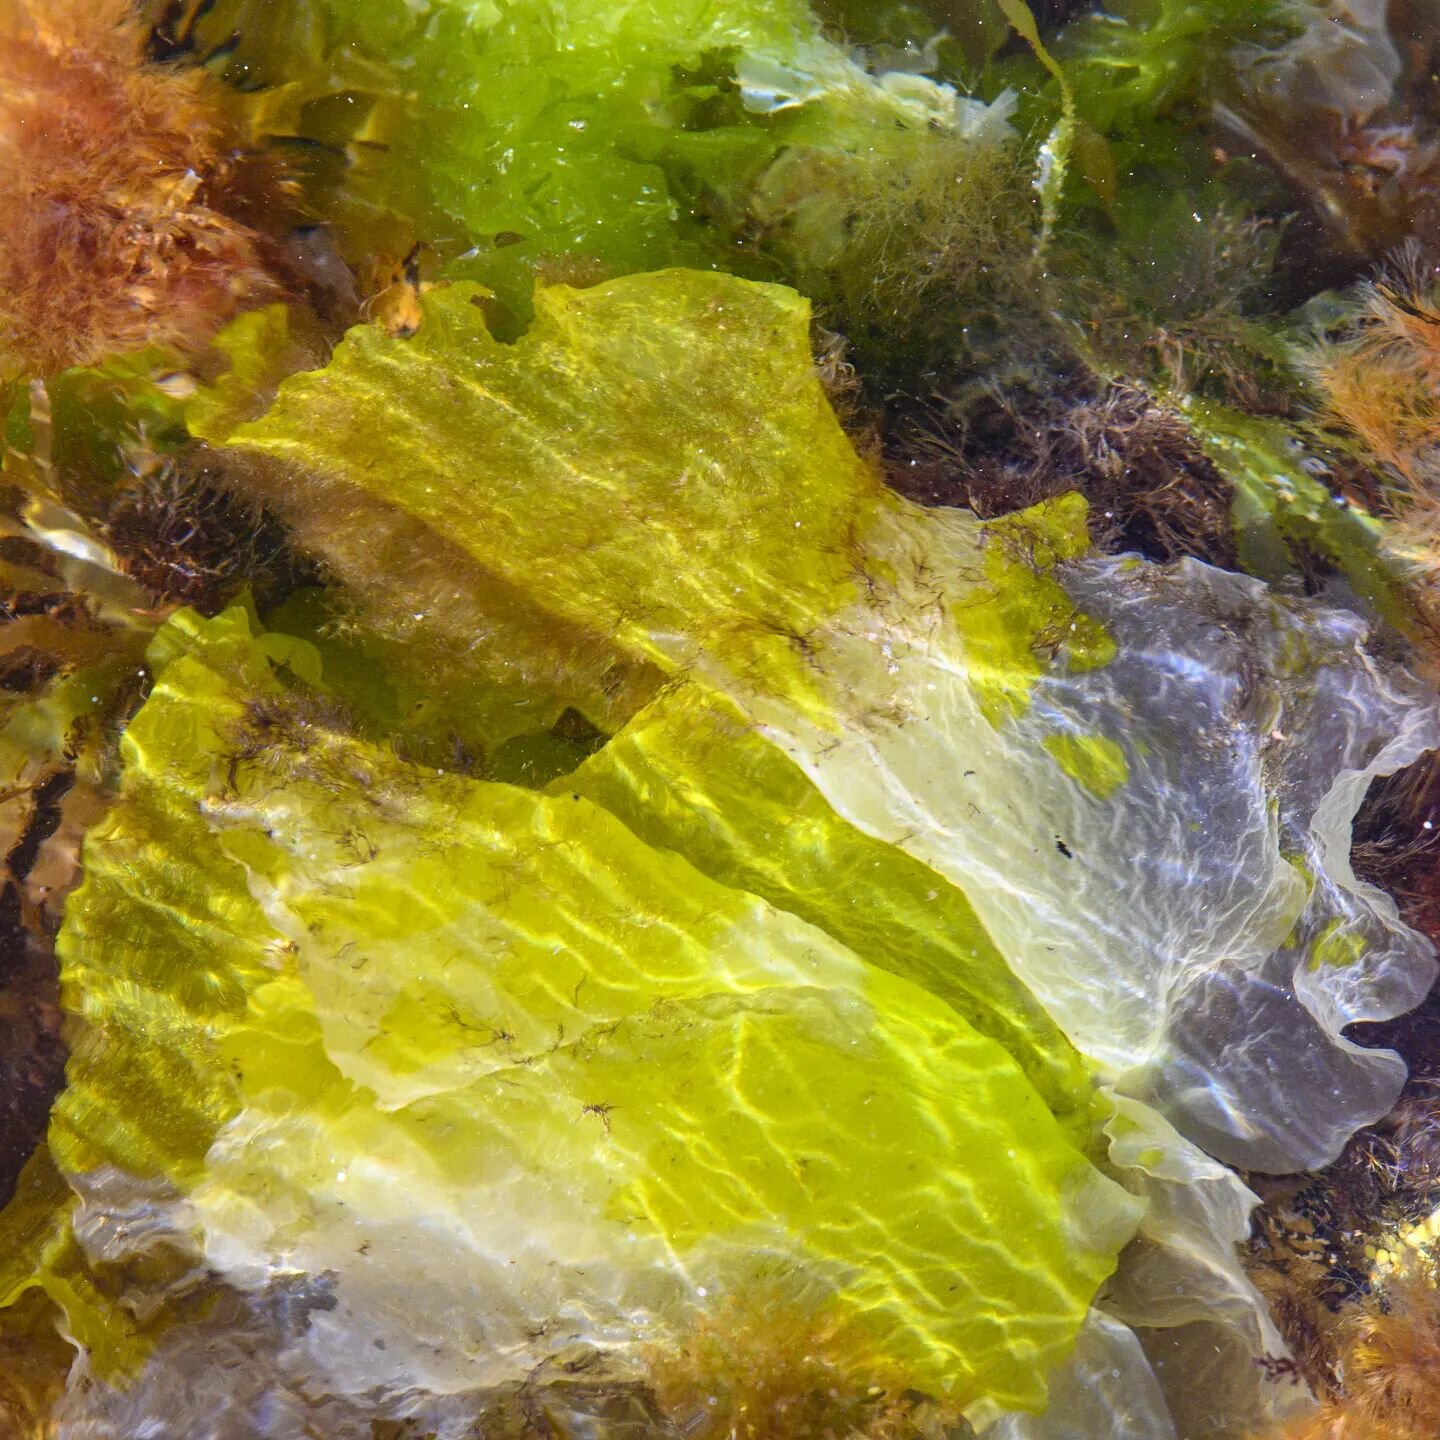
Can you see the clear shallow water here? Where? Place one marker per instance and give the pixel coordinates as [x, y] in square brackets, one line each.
[595, 914]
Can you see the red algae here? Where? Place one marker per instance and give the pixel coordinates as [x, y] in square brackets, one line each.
[130, 205]
[1391, 1371]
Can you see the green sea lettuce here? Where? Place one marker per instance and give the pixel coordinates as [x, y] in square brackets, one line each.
[653, 471]
[882, 783]
[649, 486]
[585, 139]
[620, 400]
[425, 1035]
[705, 924]
[689, 775]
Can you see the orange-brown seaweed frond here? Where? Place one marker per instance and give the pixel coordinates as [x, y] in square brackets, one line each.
[190, 541]
[1381, 382]
[1390, 1370]
[128, 203]
[1382, 379]
[765, 1368]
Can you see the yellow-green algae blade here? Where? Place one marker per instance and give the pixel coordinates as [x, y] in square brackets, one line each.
[39, 1257]
[1093, 761]
[126, 969]
[652, 475]
[651, 469]
[649, 488]
[487, 1058]
[691, 774]
[1018, 618]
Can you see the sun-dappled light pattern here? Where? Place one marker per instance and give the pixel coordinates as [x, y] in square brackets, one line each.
[718, 720]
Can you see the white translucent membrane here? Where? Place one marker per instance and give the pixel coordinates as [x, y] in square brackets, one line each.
[1199, 933]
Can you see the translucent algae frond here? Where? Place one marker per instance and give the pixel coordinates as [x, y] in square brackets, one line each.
[780, 1015]
[517, 1082]
[742, 545]
[604, 922]
[582, 139]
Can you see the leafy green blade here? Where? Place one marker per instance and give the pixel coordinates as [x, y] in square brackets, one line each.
[397, 1027]
[691, 775]
[654, 469]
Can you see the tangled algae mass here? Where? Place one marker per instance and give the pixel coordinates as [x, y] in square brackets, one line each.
[717, 720]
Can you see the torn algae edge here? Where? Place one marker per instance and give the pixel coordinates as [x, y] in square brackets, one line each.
[252, 1025]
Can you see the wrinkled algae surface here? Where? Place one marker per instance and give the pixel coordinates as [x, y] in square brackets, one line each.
[570, 902]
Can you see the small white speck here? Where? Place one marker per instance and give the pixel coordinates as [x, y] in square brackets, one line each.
[701, 1291]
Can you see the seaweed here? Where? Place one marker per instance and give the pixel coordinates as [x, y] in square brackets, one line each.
[134, 219]
[532, 818]
[1151, 488]
[1376, 368]
[1346, 112]
[1378, 371]
[1388, 1356]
